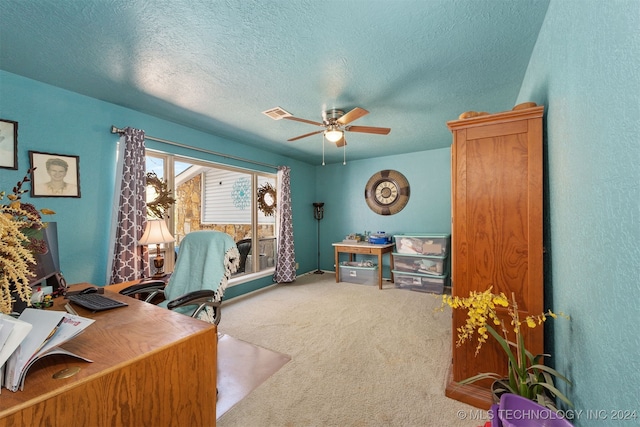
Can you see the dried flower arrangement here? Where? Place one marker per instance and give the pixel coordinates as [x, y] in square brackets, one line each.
[21, 237]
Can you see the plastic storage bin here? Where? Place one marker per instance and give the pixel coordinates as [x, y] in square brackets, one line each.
[419, 282]
[423, 244]
[365, 275]
[411, 263]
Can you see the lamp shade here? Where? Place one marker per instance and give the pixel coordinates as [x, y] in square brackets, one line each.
[333, 134]
[318, 210]
[156, 233]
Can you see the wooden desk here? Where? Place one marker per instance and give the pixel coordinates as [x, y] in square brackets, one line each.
[364, 248]
[151, 367]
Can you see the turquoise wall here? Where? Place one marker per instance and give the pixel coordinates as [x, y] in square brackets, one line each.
[585, 69]
[57, 121]
[341, 188]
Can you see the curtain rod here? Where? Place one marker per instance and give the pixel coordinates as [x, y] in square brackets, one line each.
[177, 144]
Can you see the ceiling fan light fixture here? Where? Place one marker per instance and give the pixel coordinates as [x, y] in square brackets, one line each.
[333, 134]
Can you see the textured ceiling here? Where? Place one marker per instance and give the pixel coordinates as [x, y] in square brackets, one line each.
[216, 65]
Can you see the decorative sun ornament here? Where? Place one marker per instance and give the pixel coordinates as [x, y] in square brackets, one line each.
[241, 193]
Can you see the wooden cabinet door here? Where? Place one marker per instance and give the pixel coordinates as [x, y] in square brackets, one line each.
[497, 226]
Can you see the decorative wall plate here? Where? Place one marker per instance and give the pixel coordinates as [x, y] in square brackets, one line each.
[240, 194]
[387, 192]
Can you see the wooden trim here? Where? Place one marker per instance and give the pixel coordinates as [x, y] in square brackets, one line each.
[506, 116]
[468, 393]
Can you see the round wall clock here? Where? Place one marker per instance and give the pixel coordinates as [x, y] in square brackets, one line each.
[387, 192]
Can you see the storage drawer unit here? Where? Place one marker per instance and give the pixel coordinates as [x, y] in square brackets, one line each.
[410, 263]
[423, 244]
[420, 282]
[360, 275]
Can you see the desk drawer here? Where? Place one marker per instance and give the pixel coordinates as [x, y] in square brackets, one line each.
[355, 250]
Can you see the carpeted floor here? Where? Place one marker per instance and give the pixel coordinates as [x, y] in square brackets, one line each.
[360, 356]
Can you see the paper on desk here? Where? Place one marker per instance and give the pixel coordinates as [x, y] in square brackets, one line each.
[12, 332]
[50, 329]
[5, 331]
[11, 335]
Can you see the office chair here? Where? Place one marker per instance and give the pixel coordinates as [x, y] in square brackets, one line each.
[244, 247]
[206, 262]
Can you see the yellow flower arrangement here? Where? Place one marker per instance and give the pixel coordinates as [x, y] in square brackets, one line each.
[528, 377]
[20, 227]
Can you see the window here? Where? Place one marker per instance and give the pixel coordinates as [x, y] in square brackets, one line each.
[210, 196]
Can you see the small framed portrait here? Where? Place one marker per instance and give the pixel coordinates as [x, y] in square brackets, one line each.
[55, 175]
[8, 144]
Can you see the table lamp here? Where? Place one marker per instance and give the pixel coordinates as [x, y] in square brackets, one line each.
[156, 233]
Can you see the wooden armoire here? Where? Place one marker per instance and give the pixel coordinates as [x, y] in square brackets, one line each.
[496, 239]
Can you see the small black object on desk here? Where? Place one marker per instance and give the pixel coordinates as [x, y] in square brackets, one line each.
[89, 290]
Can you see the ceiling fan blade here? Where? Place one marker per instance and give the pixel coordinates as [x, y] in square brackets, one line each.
[341, 142]
[368, 129]
[296, 119]
[305, 135]
[352, 115]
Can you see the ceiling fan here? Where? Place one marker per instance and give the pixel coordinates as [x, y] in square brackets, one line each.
[334, 123]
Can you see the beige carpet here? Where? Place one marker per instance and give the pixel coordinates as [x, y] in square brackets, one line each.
[359, 356]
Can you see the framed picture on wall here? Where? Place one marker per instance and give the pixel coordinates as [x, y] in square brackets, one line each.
[55, 175]
[8, 144]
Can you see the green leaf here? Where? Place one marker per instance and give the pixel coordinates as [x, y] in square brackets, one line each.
[482, 376]
[557, 393]
[552, 372]
[503, 343]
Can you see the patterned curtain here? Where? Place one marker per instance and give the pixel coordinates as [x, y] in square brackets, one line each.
[129, 259]
[286, 261]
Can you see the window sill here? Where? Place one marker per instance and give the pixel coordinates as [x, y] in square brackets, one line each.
[250, 277]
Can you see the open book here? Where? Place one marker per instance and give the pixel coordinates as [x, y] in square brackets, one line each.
[49, 330]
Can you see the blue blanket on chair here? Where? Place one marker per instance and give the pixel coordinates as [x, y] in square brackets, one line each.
[206, 260]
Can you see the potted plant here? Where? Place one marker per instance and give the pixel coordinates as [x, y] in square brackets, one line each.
[527, 375]
[20, 232]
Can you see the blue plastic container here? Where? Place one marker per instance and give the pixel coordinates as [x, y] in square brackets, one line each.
[379, 238]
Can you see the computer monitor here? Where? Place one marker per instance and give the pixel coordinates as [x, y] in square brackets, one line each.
[47, 268]
[47, 264]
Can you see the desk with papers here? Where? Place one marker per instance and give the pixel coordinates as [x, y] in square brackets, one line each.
[150, 366]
